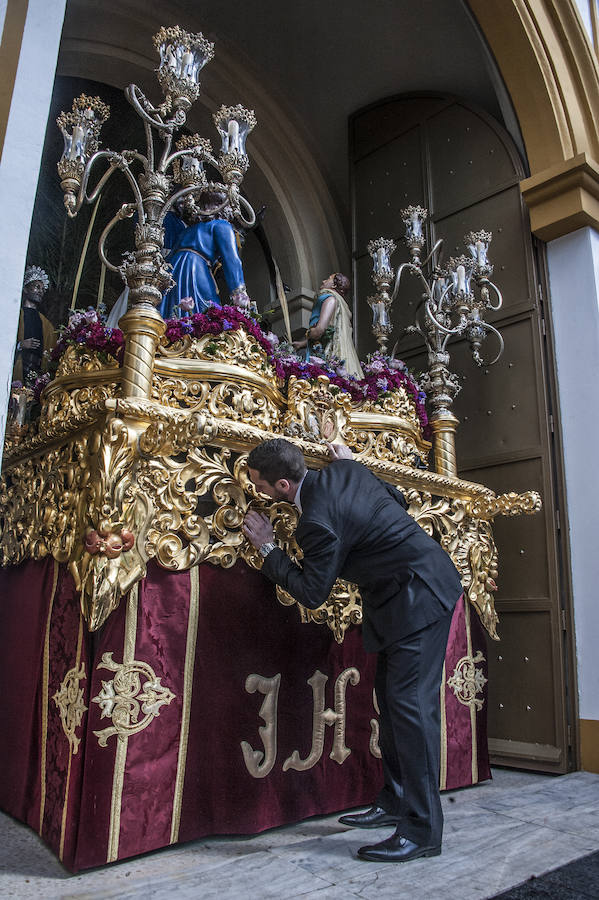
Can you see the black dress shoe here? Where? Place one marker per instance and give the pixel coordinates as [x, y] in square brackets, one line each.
[396, 849]
[374, 817]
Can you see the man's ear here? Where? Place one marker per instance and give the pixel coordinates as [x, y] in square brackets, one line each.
[283, 485]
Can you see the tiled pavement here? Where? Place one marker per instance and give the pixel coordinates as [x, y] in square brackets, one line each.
[496, 835]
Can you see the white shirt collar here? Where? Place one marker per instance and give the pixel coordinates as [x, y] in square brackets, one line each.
[296, 499]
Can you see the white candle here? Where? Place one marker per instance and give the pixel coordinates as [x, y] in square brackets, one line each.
[461, 273]
[77, 142]
[480, 257]
[233, 135]
[416, 226]
[187, 64]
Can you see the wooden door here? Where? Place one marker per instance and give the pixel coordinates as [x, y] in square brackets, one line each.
[462, 166]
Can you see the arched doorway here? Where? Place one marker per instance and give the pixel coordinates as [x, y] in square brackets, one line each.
[456, 161]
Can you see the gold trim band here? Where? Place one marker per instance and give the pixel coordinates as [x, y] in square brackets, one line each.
[122, 740]
[472, 703]
[68, 780]
[443, 761]
[190, 652]
[45, 681]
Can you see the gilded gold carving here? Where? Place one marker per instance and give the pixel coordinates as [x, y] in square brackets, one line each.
[106, 483]
[69, 700]
[467, 681]
[387, 445]
[237, 347]
[314, 412]
[225, 400]
[342, 609]
[259, 763]
[122, 699]
[322, 717]
[511, 504]
[119, 517]
[79, 360]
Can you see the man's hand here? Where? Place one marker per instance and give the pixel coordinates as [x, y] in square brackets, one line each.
[257, 529]
[340, 451]
[30, 344]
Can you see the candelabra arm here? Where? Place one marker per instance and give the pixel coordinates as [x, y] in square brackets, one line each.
[165, 158]
[125, 212]
[135, 154]
[177, 154]
[498, 294]
[437, 324]
[131, 93]
[247, 223]
[149, 145]
[117, 163]
[476, 355]
[438, 246]
[414, 270]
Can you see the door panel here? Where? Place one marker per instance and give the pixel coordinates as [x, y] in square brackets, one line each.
[440, 153]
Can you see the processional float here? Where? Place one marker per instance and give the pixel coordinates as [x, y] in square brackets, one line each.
[141, 460]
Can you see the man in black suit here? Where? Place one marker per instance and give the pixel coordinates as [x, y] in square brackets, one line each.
[354, 526]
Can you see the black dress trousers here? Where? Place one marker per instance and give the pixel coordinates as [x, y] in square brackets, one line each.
[408, 681]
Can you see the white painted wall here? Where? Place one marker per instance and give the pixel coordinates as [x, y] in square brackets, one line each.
[19, 168]
[574, 276]
[584, 8]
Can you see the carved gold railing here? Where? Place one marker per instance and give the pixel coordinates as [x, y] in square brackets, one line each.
[104, 483]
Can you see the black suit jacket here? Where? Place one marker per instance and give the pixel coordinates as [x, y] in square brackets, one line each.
[354, 526]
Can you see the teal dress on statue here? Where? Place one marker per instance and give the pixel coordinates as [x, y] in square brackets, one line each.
[318, 348]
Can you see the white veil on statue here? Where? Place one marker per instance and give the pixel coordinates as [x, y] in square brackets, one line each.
[342, 345]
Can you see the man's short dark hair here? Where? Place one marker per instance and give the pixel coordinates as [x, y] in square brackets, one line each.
[276, 459]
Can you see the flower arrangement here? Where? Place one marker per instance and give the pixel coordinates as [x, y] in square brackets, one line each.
[215, 320]
[86, 329]
[382, 374]
[39, 384]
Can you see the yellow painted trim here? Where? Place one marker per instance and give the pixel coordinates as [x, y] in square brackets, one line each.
[550, 70]
[563, 198]
[190, 653]
[589, 744]
[10, 51]
[45, 681]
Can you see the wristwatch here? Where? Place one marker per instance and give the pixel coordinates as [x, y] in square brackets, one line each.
[265, 549]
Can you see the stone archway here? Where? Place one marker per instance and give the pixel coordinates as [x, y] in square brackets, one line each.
[550, 71]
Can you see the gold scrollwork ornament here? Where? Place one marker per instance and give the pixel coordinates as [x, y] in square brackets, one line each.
[69, 700]
[122, 699]
[467, 680]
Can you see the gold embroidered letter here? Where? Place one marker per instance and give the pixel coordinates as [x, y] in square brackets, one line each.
[258, 763]
[374, 729]
[323, 717]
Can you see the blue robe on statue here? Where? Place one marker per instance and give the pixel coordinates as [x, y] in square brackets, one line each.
[316, 348]
[193, 258]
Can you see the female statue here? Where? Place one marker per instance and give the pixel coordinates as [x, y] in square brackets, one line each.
[329, 334]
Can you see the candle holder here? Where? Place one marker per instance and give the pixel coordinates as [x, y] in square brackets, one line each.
[454, 302]
[380, 250]
[158, 184]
